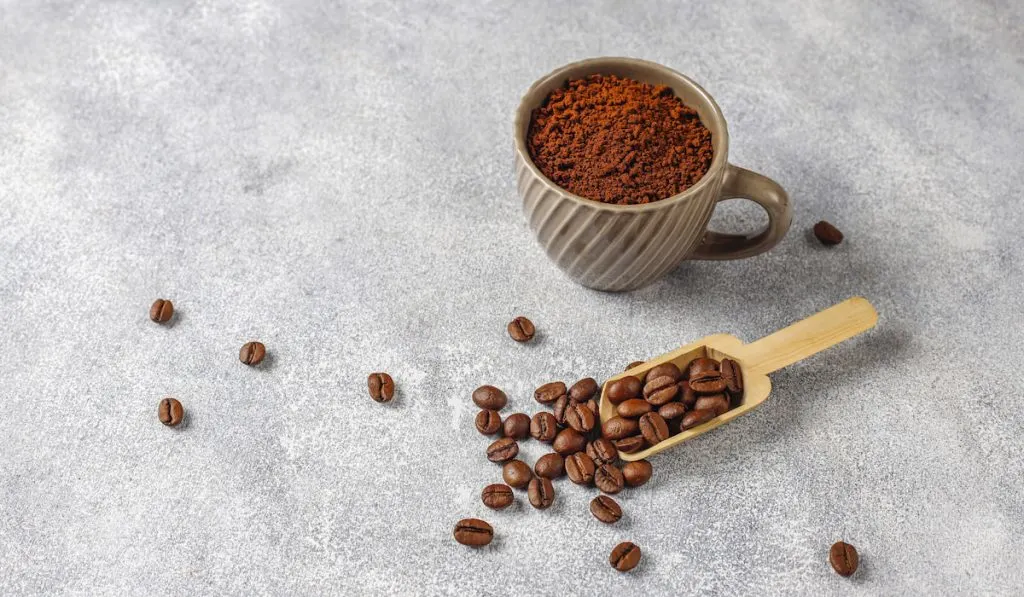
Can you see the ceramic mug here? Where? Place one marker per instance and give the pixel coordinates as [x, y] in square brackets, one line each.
[623, 247]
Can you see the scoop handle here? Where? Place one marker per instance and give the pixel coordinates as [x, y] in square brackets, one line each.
[809, 336]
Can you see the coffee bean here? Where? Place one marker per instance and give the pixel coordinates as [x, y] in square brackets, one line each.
[827, 233]
[517, 426]
[633, 408]
[516, 473]
[561, 405]
[633, 364]
[733, 376]
[701, 365]
[715, 402]
[544, 427]
[161, 311]
[686, 394]
[665, 369]
[579, 417]
[707, 382]
[632, 444]
[696, 417]
[584, 389]
[595, 408]
[605, 509]
[569, 441]
[502, 450]
[637, 473]
[580, 468]
[624, 389]
[625, 556]
[521, 329]
[619, 427]
[653, 428]
[473, 532]
[497, 496]
[549, 392]
[488, 422]
[541, 493]
[551, 466]
[170, 412]
[844, 558]
[602, 450]
[608, 478]
[252, 353]
[490, 397]
[381, 386]
[672, 410]
[661, 390]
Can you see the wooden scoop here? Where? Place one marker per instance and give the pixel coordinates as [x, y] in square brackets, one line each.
[757, 359]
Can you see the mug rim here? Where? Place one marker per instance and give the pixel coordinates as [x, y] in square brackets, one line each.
[718, 162]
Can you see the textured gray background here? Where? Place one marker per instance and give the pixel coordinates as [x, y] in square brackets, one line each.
[335, 179]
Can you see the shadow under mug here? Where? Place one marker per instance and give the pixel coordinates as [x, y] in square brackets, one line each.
[624, 247]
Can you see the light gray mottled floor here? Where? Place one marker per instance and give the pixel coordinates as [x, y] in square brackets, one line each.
[335, 179]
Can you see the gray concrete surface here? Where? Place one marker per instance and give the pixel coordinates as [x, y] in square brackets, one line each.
[335, 180]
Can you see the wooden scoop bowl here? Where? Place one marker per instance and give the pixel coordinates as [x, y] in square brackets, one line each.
[757, 359]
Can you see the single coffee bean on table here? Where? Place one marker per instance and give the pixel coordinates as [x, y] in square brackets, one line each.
[624, 389]
[625, 556]
[608, 478]
[665, 370]
[490, 398]
[619, 428]
[718, 403]
[634, 408]
[653, 428]
[632, 444]
[488, 422]
[502, 450]
[497, 496]
[473, 532]
[252, 353]
[170, 412]
[827, 234]
[517, 426]
[661, 390]
[579, 417]
[550, 392]
[569, 441]
[381, 387]
[521, 329]
[707, 382]
[543, 427]
[697, 417]
[605, 509]
[844, 558]
[584, 390]
[551, 466]
[602, 450]
[580, 468]
[541, 493]
[161, 311]
[516, 473]
[559, 408]
[637, 473]
[733, 376]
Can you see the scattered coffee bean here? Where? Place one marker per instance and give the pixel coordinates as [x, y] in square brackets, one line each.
[502, 450]
[549, 392]
[602, 450]
[490, 398]
[580, 468]
[697, 417]
[569, 441]
[619, 427]
[497, 496]
[733, 376]
[517, 426]
[661, 390]
[633, 408]
[521, 329]
[544, 427]
[637, 473]
[672, 410]
[707, 382]
[170, 412]
[473, 532]
[252, 353]
[625, 556]
[579, 417]
[516, 473]
[844, 558]
[541, 493]
[669, 369]
[633, 364]
[715, 402]
[595, 407]
[488, 422]
[827, 233]
[624, 389]
[701, 365]
[653, 428]
[686, 394]
[629, 445]
[608, 478]
[560, 407]
[584, 389]
[381, 386]
[551, 466]
[161, 311]
[605, 509]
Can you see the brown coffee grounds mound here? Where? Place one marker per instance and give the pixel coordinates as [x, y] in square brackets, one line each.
[620, 141]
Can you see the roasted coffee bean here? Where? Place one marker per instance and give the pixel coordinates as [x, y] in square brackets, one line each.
[595, 408]
[488, 422]
[844, 558]
[490, 397]
[625, 556]
[170, 412]
[631, 444]
[827, 234]
[497, 496]
[544, 427]
[637, 473]
[516, 473]
[473, 532]
[707, 382]
[551, 466]
[661, 390]
[569, 441]
[605, 509]
[634, 408]
[579, 417]
[696, 417]
[560, 407]
[580, 468]
[633, 364]
[624, 389]
[608, 478]
[381, 386]
[733, 376]
[584, 389]
[521, 329]
[252, 353]
[672, 410]
[549, 392]
[665, 370]
[161, 311]
[686, 394]
[701, 365]
[715, 402]
[502, 450]
[619, 427]
[602, 450]
[541, 493]
[653, 428]
[517, 426]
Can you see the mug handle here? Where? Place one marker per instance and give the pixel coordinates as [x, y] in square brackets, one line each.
[740, 183]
